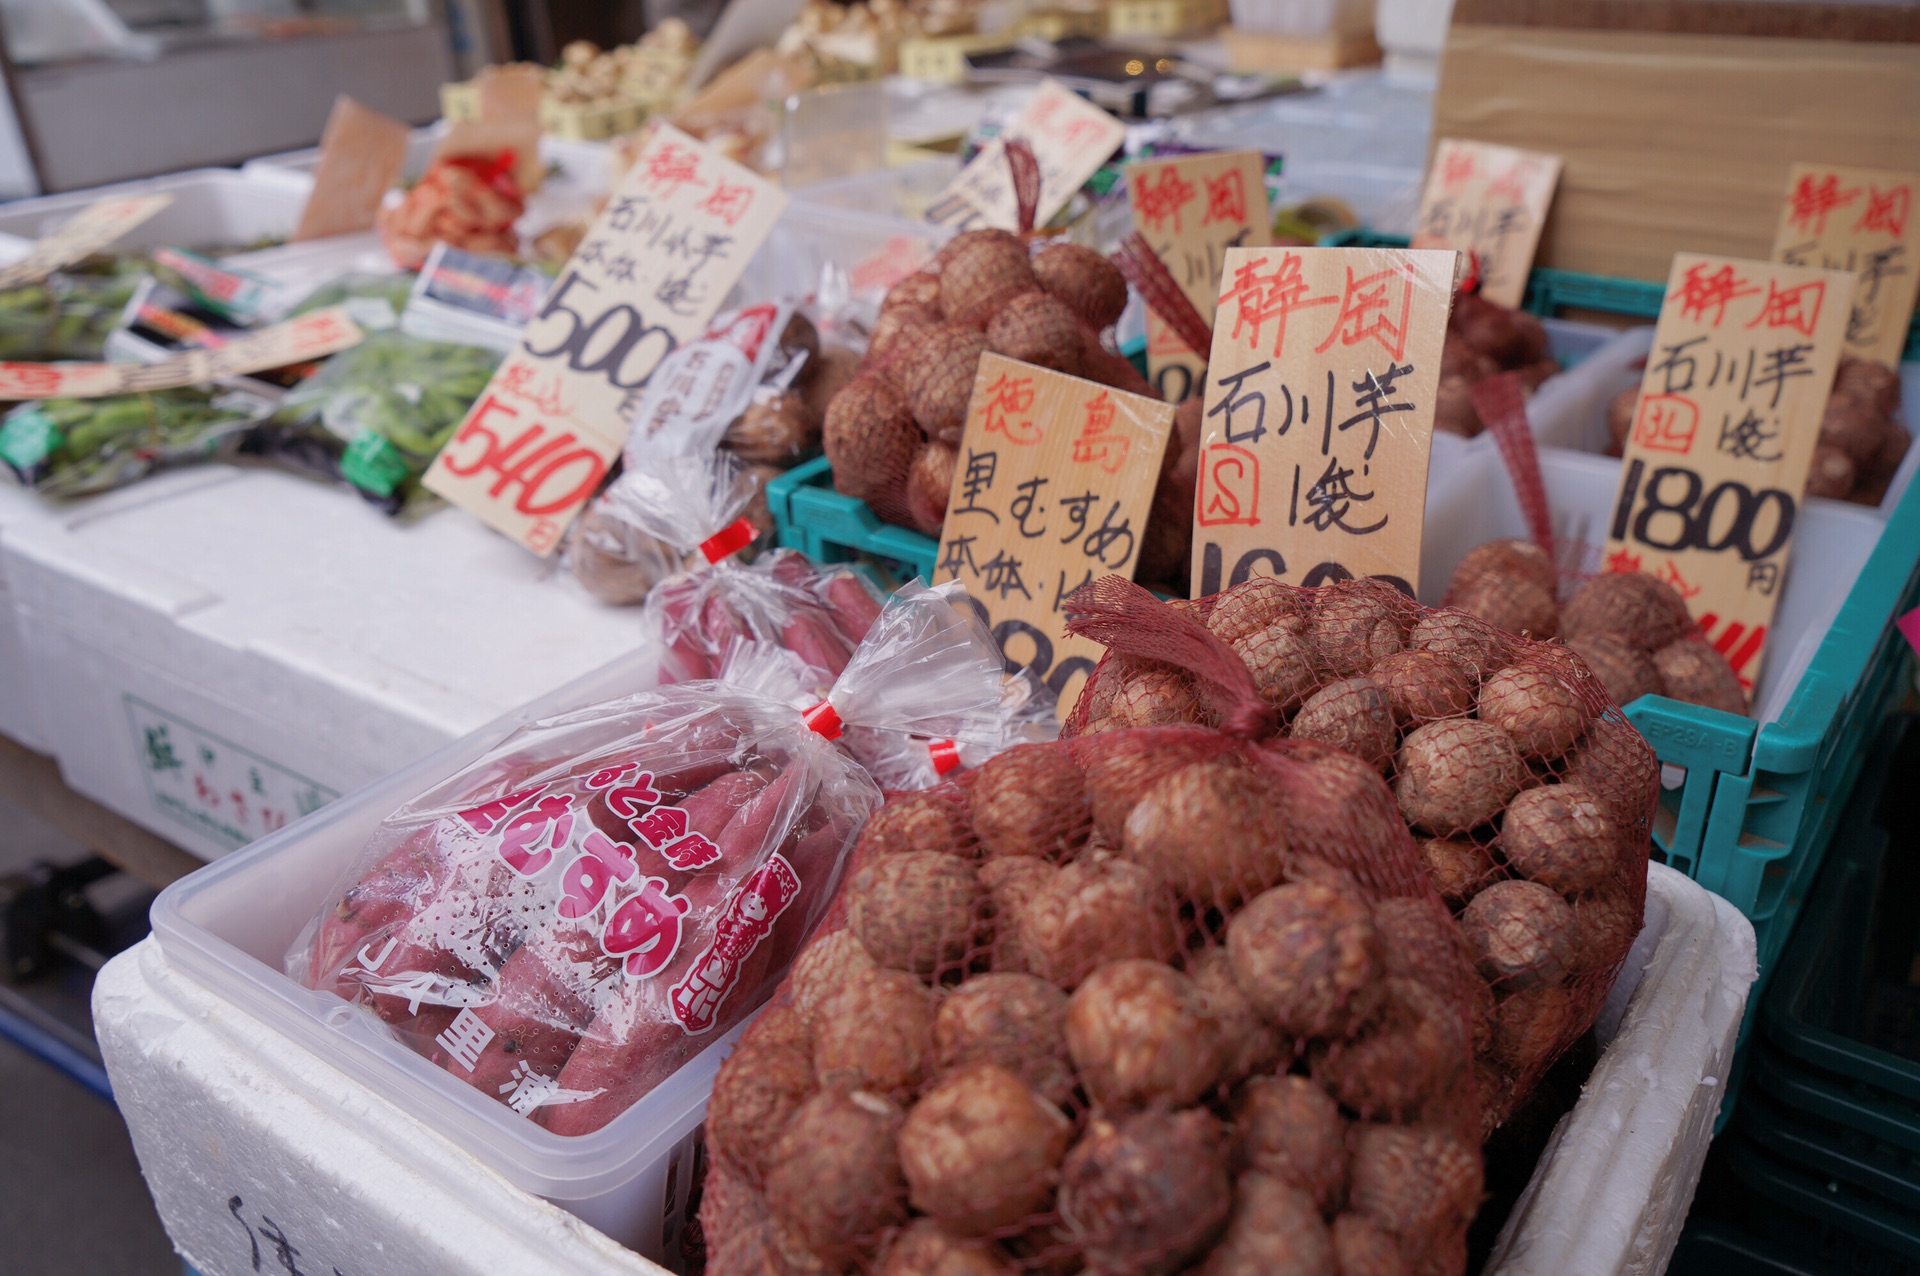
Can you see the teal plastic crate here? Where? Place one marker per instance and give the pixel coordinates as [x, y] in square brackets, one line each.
[808, 515]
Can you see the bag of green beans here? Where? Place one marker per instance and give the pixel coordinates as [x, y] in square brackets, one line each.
[73, 447]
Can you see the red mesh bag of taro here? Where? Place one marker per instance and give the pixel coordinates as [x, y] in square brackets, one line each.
[1529, 794]
[1124, 1003]
[574, 916]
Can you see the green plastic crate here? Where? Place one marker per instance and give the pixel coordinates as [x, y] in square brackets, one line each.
[808, 515]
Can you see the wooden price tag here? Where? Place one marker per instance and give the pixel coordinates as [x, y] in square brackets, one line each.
[655, 266]
[1490, 201]
[1729, 412]
[311, 336]
[1070, 137]
[1191, 210]
[1319, 415]
[1052, 489]
[87, 232]
[1858, 220]
[361, 155]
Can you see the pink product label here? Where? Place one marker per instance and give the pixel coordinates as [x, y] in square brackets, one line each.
[1909, 627]
[749, 917]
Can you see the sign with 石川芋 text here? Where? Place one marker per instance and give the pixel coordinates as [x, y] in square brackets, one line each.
[651, 271]
[1490, 201]
[1860, 221]
[92, 229]
[1729, 411]
[1191, 209]
[1318, 423]
[1052, 488]
[1071, 138]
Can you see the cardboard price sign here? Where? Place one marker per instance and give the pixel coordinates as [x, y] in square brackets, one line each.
[361, 155]
[1318, 422]
[1729, 412]
[1053, 486]
[655, 266]
[311, 336]
[1071, 138]
[1858, 220]
[1191, 210]
[93, 228]
[1490, 201]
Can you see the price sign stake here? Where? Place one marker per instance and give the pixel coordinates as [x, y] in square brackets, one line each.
[652, 270]
[311, 336]
[1860, 221]
[361, 155]
[1318, 422]
[1070, 137]
[92, 229]
[1729, 411]
[1490, 201]
[1191, 210]
[1053, 486]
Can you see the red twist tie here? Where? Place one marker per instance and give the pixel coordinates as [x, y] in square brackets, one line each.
[945, 755]
[1155, 284]
[732, 538]
[1470, 282]
[1025, 169]
[823, 720]
[1502, 405]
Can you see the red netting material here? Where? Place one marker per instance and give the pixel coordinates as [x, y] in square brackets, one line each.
[1530, 795]
[1501, 401]
[1147, 1001]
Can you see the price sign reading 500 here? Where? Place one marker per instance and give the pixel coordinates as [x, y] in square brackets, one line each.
[613, 341]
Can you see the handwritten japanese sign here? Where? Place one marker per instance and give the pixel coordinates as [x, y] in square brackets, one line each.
[1052, 489]
[311, 336]
[1318, 421]
[361, 155]
[1729, 411]
[1861, 221]
[1070, 137]
[1490, 201]
[650, 273]
[93, 228]
[1191, 210]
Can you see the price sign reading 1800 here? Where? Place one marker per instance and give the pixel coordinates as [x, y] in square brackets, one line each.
[650, 273]
[1724, 430]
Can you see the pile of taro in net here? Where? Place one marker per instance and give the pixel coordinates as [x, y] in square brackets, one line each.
[1529, 795]
[1150, 1001]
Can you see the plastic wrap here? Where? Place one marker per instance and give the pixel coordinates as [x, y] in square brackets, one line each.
[683, 511]
[65, 316]
[74, 447]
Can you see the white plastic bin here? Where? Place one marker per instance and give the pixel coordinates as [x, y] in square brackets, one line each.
[1573, 343]
[848, 224]
[1571, 412]
[212, 208]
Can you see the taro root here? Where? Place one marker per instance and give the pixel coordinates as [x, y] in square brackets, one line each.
[1511, 558]
[894, 333]
[1130, 692]
[1619, 768]
[836, 367]
[1520, 934]
[759, 1088]
[1605, 923]
[916, 822]
[1452, 633]
[777, 430]
[823, 968]
[924, 1249]
[1455, 775]
[1538, 712]
[981, 271]
[940, 367]
[1030, 800]
[1095, 910]
[1355, 623]
[1423, 685]
[1832, 473]
[1119, 769]
[873, 1032]
[1010, 882]
[929, 482]
[1422, 1184]
[921, 289]
[1622, 668]
[1512, 603]
[1037, 329]
[1351, 715]
[1529, 1027]
[1211, 831]
[1457, 865]
[1333, 802]
[1274, 1230]
[1407, 1053]
[1142, 1033]
[1361, 1247]
[1426, 946]
[834, 1180]
[871, 438]
[1091, 286]
[1644, 611]
[916, 910]
[1014, 1020]
[1620, 409]
[1694, 671]
[1306, 956]
[1146, 1194]
[980, 1150]
[1252, 606]
[1559, 836]
[1291, 1129]
[1285, 665]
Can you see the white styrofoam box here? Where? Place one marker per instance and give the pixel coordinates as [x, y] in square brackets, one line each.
[239, 1130]
[1613, 1186]
[18, 720]
[1573, 414]
[212, 207]
[229, 927]
[1573, 343]
[211, 660]
[1831, 542]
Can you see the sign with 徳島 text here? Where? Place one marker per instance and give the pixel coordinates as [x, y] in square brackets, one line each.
[1318, 423]
[1490, 201]
[1191, 209]
[1071, 138]
[1860, 221]
[1052, 488]
[651, 271]
[1729, 411]
[93, 228]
